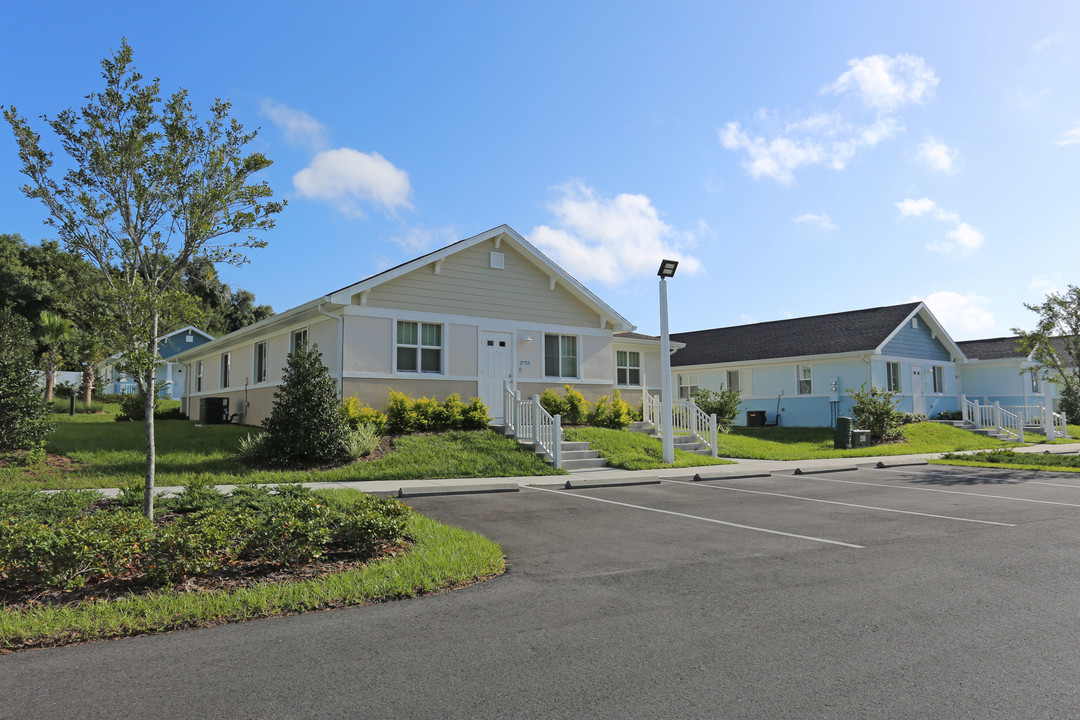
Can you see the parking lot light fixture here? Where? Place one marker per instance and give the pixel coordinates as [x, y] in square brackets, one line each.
[667, 432]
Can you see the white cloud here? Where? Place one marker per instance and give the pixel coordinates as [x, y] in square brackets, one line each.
[1048, 42]
[963, 239]
[612, 239]
[915, 208]
[962, 314]
[777, 158]
[822, 221]
[1069, 137]
[346, 178]
[887, 83]
[299, 127]
[936, 155]
[1046, 284]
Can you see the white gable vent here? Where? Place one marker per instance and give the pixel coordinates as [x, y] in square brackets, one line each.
[915, 322]
[498, 260]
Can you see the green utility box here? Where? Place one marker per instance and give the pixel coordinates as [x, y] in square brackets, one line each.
[842, 438]
[860, 438]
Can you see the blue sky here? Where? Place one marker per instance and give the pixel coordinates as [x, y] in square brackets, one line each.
[798, 158]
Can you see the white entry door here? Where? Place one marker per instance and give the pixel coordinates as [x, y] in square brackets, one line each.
[918, 391]
[495, 369]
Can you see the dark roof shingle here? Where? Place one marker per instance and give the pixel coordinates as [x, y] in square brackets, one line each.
[852, 331]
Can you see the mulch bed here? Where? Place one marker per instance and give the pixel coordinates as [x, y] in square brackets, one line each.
[20, 459]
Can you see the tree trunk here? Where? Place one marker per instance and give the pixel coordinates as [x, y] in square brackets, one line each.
[50, 378]
[149, 388]
[88, 385]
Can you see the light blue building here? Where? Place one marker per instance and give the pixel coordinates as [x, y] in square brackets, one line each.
[169, 374]
[798, 372]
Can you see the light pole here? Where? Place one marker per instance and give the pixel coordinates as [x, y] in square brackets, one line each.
[667, 432]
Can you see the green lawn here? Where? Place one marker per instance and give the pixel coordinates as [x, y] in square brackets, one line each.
[441, 557]
[1014, 461]
[107, 453]
[781, 443]
[634, 451]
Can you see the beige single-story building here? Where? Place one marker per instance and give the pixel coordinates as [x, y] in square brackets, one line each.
[468, 318]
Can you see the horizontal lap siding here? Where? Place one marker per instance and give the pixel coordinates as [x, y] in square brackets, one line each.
[916, 343]
[467, 285]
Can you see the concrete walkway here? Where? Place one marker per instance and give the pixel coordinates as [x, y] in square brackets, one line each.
[741, 467]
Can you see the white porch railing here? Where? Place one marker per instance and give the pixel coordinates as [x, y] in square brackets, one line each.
[686, 419]
[1013, 418]
[529, 422]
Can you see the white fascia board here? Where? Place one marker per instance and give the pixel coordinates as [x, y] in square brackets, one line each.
[648, 343]
[503, 232]
[260, 327]
[939, 333]
[793, 360]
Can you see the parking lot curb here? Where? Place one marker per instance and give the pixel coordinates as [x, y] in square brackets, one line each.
[583, 484]
[699, 477]
[882, 464]
[818, 471]
[430, 491]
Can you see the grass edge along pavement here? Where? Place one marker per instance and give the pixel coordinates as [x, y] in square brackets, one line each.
[1008, 460]
[442, 557]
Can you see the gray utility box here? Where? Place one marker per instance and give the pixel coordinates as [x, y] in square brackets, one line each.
[860, 438]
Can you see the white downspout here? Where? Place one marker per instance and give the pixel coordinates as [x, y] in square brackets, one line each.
[341, 348]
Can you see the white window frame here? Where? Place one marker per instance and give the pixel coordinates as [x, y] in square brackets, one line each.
[937, 373]
[301, 333]
[563, 355]
[799, 380]
[688, 384]
[625, 367]
[226, 367]
[893, 381]
[419, 347]
[1035, 383]
[743, 381]
[198, 375]
[259, 369]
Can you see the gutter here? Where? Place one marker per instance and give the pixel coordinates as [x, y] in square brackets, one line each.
[341, 348]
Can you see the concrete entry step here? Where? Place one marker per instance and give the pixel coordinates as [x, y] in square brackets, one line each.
[596, 462]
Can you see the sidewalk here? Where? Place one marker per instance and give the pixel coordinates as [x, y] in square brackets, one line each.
[741, 467]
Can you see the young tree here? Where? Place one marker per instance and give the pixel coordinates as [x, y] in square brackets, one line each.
[55, 331]
[1054, 344]
[149, 190]
[24, 422]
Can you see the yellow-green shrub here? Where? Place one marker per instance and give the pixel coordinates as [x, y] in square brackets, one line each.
[357, 413]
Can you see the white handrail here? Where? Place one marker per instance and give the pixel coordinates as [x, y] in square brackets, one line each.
[528, 421]
[686, 419]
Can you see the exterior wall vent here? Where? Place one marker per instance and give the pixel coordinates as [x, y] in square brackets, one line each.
[498, 260]
[915, 322]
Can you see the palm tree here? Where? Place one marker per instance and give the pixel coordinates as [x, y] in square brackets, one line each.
[55, 331]
[89, 351]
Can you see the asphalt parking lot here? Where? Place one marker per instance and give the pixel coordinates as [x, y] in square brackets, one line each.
[900, 592]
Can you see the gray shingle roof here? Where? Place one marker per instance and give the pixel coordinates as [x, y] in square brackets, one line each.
[852, 331]
[991, 348]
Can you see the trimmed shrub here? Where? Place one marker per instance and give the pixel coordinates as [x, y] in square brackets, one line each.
[610, 412]
[550, 401]
[576, 407]
[875, 410]
[357, 413]
[911, 418]
[305, 426]
[950, 415]
[724, 403]
[405, 415]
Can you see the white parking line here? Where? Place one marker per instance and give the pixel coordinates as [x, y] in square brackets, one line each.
[694, 517]
[950, 492]
[834, 502]
[956, 473]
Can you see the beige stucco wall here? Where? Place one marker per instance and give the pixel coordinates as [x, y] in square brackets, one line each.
[260, 401]
[369, 344]
[466, 284]
[591, 392]
[596, 359]
[462, 358]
